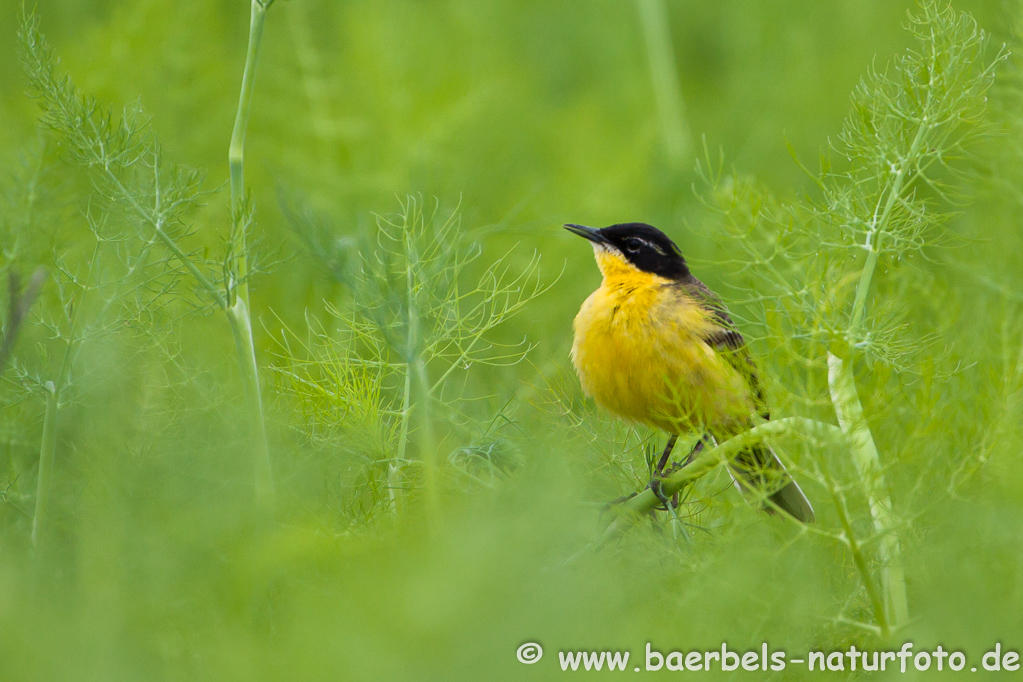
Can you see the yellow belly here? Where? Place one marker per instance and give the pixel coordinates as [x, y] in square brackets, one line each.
[639, 353]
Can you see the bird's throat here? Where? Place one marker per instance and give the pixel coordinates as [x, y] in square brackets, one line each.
[620, 273]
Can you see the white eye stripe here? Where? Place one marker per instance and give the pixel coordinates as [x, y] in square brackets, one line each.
[653, 246]
[635, 244]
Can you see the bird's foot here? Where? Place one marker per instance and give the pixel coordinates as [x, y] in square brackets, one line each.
[656, 486]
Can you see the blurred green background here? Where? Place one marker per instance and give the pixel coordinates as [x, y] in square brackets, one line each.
[525, 115]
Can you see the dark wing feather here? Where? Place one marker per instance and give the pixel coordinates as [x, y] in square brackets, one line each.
[727, 340]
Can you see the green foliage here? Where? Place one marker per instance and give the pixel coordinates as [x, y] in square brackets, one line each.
[414, 324]
[903, 148]
[127, 164]
[130, 173]
[438, 473]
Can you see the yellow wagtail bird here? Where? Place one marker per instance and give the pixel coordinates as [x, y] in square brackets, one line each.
[654, 345]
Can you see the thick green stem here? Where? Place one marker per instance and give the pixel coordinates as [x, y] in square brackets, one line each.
[238, 310]
[418, 375]
[47, 455]
[707, 460]
[854, 425]
[846, 401]
[663, 70]
[241, 327]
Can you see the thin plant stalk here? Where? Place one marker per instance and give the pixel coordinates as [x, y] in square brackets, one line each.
[48, 445]
[238, 310]
[426, 442]
[394, 467]
[414, 319]
[47, 456]
[415, 368]
[664, 72]
[236, 152]
[108, 150]
[876, 596]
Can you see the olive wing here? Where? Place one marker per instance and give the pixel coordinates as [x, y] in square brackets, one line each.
[726, 340]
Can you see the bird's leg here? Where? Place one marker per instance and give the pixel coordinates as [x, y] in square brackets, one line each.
[660, 473]
[663, 461]
[697, 449]
[655, 480]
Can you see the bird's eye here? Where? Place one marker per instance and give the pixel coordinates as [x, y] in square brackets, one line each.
[634, 245]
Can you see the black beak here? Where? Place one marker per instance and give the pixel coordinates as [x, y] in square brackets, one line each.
[591, 233]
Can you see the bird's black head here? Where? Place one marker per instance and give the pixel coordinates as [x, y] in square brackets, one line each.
[642, 245]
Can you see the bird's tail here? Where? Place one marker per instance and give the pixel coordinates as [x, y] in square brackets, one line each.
[757, 470]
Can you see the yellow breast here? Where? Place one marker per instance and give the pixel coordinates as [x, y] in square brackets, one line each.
[640, 354]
